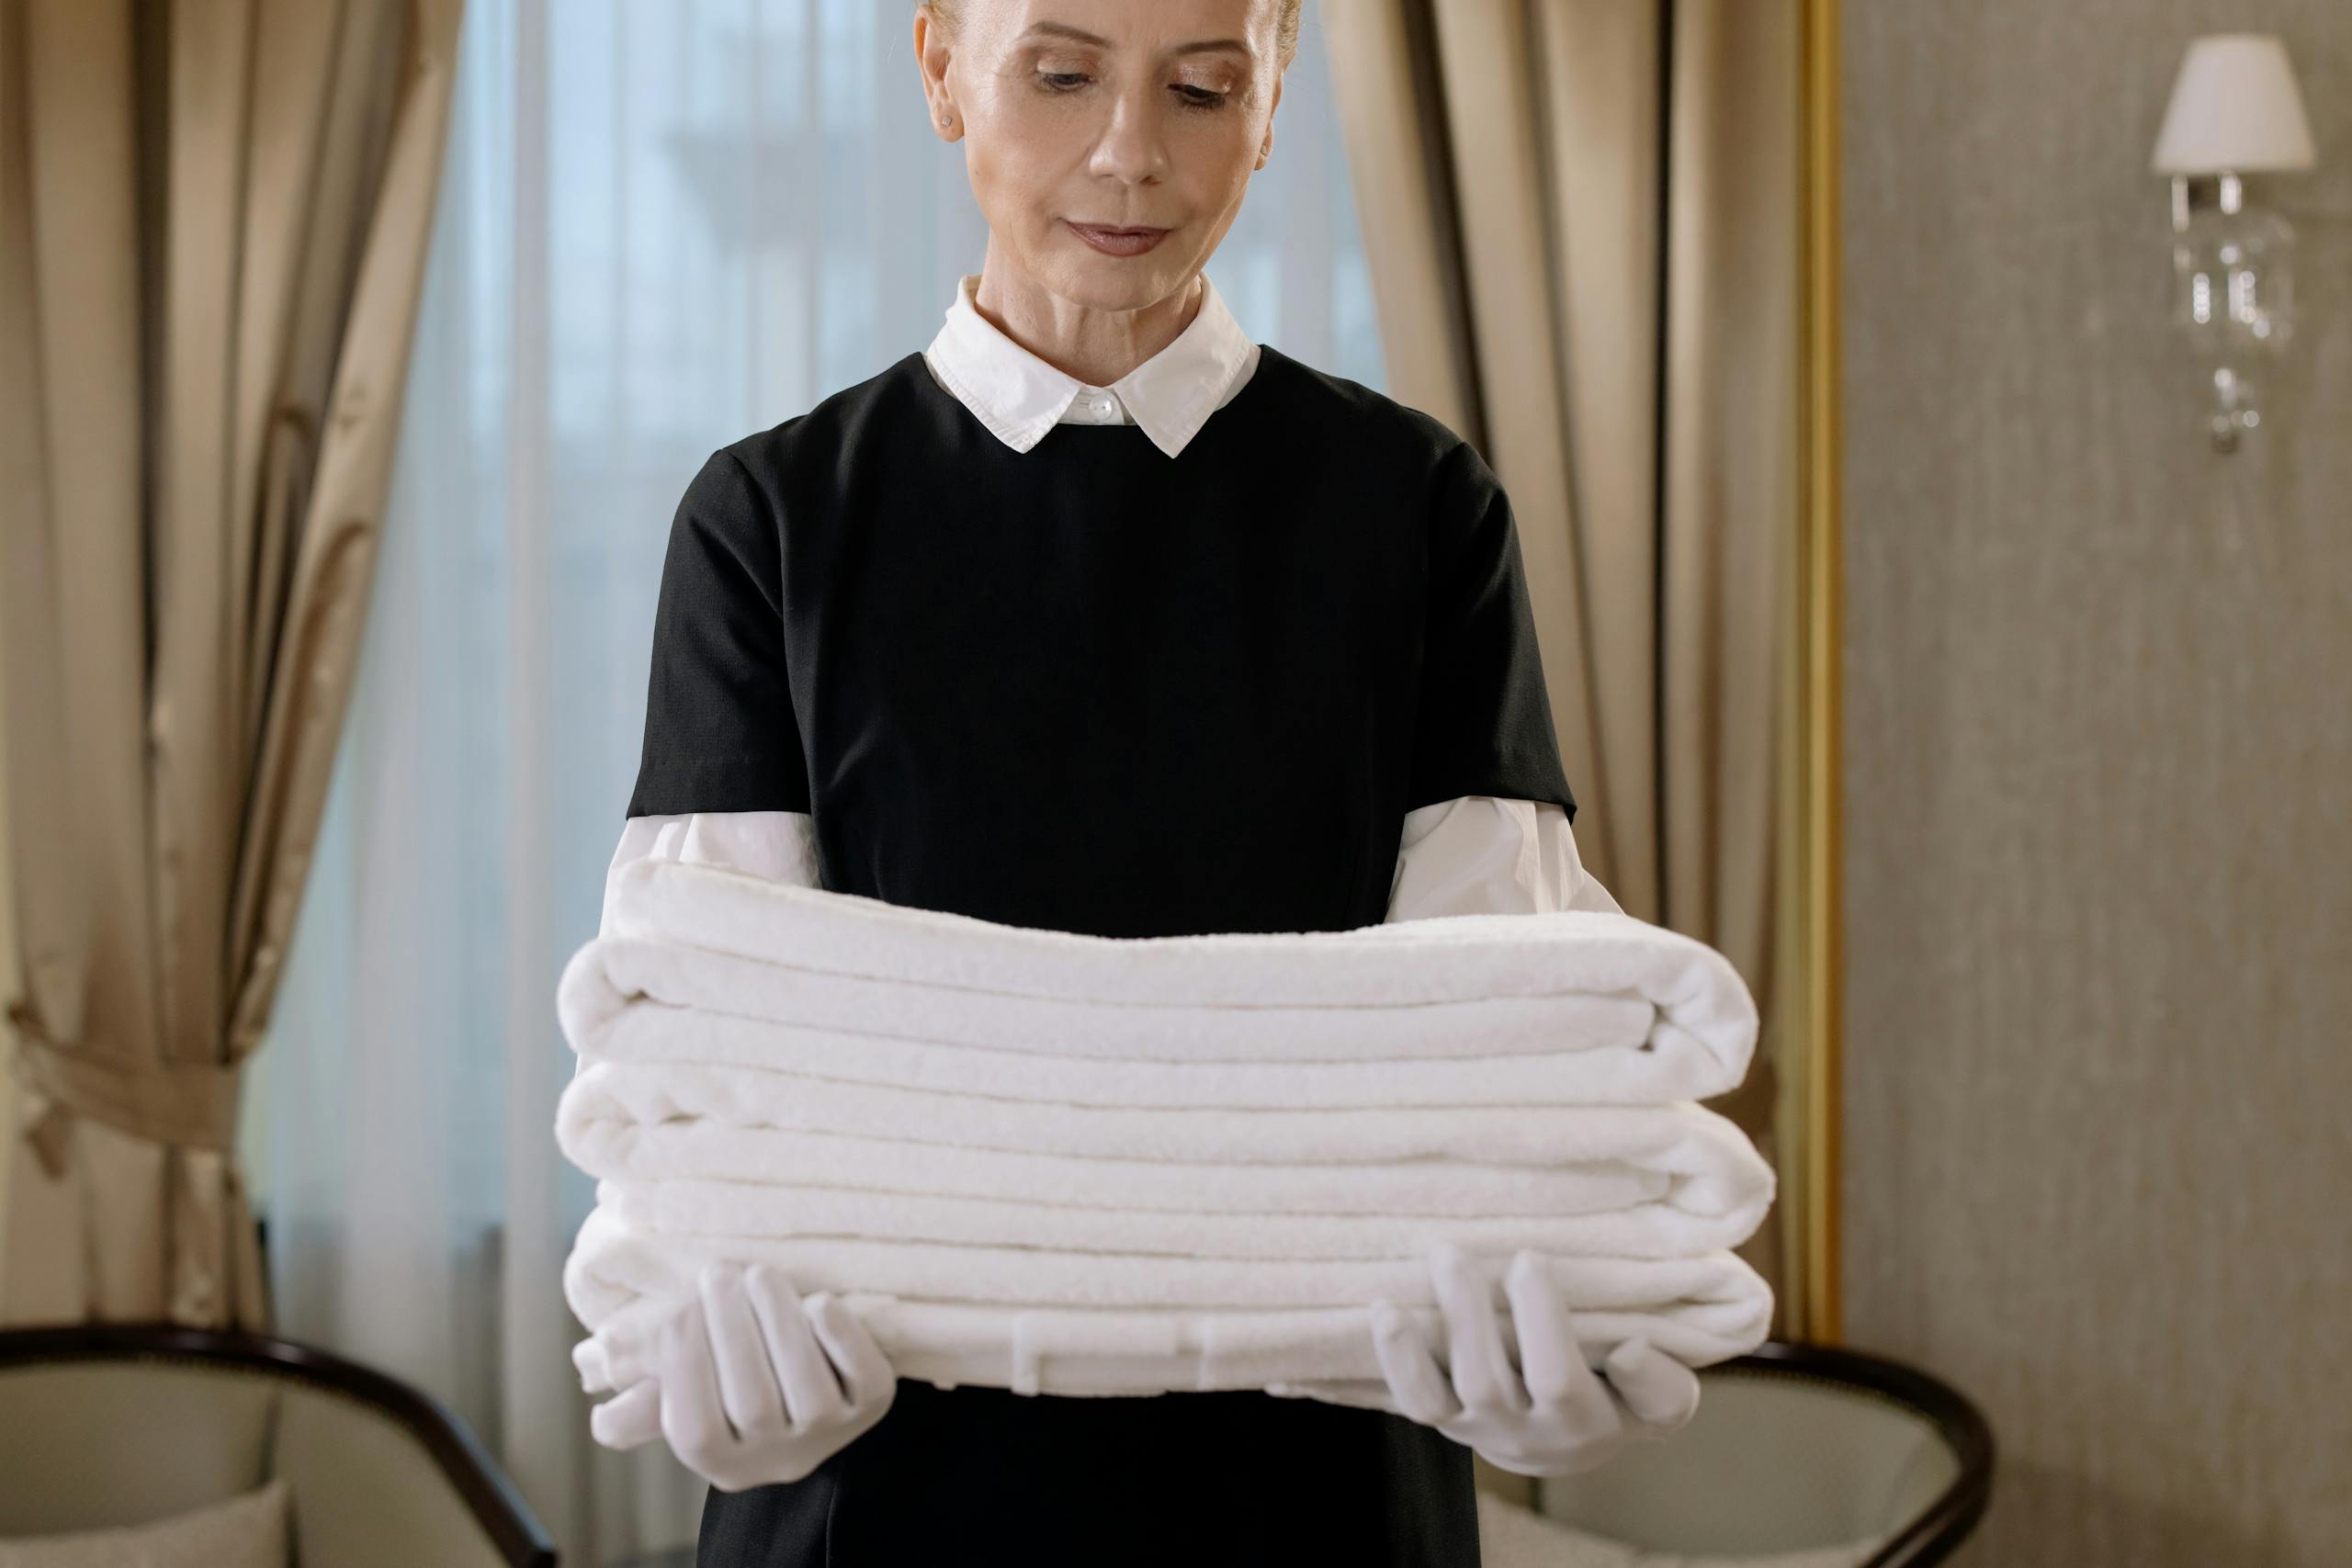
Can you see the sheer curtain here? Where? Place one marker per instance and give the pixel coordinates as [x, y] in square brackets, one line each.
[663, 228]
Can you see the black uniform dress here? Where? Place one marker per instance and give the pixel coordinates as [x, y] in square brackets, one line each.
[1093, 688]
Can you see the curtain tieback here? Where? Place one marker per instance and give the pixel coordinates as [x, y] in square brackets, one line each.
[192, 1104]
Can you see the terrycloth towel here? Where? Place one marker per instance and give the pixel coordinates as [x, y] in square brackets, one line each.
[1069, 1324]
[1168, 1179]
[724, 1208]
[605, 1148]
[1655, 1016]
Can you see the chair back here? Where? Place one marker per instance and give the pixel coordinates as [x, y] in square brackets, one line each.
[121, 1424]
[1798, 1448]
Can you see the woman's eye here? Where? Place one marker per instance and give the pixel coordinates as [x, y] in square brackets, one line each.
[1192, 97]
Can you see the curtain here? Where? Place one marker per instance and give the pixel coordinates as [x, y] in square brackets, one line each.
[663, 228]
[1582, 222]
[213, 214]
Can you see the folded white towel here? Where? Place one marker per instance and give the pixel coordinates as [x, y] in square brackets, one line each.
[695, 1207]
[620, 1022]
[606, 1147]
[1658, 1016]
[1682, 1138]
[1084, 1325]
[1711, 1187]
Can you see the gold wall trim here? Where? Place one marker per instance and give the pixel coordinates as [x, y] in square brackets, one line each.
[1818, 922]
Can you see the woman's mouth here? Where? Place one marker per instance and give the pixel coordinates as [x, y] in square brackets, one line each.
[1117, 241]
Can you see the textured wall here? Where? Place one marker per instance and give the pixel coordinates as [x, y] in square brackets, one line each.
[2098, 765]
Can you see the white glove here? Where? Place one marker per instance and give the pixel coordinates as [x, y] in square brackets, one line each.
[1552, 1414]
[752, 1384]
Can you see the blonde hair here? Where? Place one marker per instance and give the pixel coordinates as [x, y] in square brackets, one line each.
[1287, 18]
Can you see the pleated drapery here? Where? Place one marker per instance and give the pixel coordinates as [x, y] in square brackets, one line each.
[213, 219]
[1581, 218]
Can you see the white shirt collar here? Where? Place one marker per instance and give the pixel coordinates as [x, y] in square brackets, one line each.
[1019, 397]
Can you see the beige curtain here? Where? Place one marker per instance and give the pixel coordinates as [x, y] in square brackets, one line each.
[1581, 219]
[213, 217]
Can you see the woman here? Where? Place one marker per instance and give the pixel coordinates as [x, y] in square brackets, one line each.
[1096, 615]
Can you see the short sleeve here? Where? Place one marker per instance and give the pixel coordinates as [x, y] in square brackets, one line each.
[1485, 718]
[719, 729]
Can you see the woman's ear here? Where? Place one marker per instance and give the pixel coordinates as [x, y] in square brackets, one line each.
[943, 112]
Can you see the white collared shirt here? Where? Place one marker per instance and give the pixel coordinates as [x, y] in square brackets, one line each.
[1469, 855]
[1019, 397]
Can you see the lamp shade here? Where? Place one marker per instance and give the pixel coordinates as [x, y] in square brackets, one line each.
[2234, 109]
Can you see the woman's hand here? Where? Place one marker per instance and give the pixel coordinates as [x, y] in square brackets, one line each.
[1552, 1414]
[752, 1384]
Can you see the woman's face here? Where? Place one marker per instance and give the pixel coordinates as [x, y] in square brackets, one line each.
[1123, 113]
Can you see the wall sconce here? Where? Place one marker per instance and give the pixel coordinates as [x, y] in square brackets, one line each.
[2235, 111]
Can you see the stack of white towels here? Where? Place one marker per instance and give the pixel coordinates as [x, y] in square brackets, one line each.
[1078, 1165]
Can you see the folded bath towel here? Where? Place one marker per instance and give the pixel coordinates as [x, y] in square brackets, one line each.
[1657, 1016]
[604, 1146]
[1709, 1188]
[1080, 1325]
[693, 1207]
[622, 1024]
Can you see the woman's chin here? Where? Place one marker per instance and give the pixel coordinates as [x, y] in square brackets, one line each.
[1116, 283]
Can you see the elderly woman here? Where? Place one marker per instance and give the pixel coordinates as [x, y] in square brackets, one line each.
[1097, 615]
